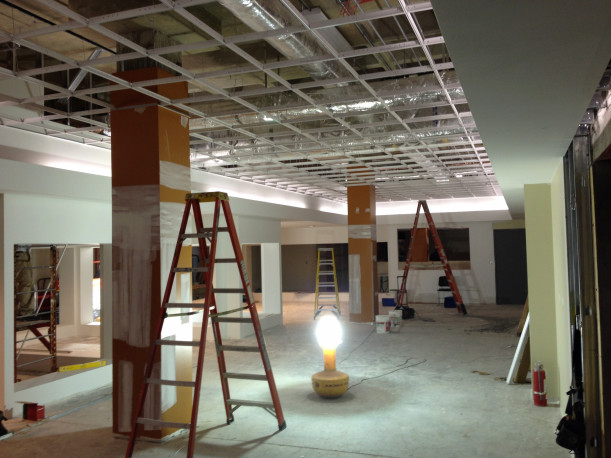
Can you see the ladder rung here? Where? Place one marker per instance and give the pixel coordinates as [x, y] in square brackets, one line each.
[35, 338]
[229, 319]
[156, 381]
[27, 324]
[35, 361]
[31, 291]
[161, 423]
[206, 233]
[245, 376]
[325, 263]
[184, 305]
[242, 402]
[228, 290]
[225, 260]
[195, 235]
[326, 283]
[190, 269]
[183, 343]
[238, 348]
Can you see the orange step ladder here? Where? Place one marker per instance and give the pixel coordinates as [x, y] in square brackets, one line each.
[207, 241]
[402, 293]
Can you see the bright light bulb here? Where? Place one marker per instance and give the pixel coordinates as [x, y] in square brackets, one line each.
[328, 332]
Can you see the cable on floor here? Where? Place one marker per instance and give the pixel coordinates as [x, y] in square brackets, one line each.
[358, 346]
[400, 367]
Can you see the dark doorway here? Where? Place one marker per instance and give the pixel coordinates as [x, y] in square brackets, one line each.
[510, 266]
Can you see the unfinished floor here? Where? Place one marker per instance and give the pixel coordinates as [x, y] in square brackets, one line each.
[435, 389]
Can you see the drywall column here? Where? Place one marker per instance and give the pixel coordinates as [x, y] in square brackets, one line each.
[106, 301]
[69, 293]
[547, 283]
[85, 287]
[7, 330]
[271, 278]
[150, 177]
[362, 253]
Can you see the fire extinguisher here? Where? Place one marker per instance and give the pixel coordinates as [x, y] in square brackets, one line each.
[539, 394]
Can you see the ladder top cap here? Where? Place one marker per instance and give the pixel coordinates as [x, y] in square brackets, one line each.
[208, 196]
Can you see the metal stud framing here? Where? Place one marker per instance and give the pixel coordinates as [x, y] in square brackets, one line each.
[369, 96]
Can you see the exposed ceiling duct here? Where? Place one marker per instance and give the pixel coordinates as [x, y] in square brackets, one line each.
[350, 99]
[262, 16]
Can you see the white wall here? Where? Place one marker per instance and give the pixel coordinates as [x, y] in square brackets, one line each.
[43, 205]
[476, 285]
[314, 235]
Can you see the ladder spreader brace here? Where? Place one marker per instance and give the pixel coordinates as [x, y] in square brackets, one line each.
[402, 293]
[207, 241]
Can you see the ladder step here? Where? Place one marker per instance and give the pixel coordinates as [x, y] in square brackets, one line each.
[190, 269]
[238, 348]
[161, 423]
[27, 324]
[242, 402]
[227, 290]
[184, 305]
[225, 260]
[206, 233]
[182, 343]
[35, 361]
[223, 319]
[326, 283]
[156, 381]
[245, 376]
[36, 338]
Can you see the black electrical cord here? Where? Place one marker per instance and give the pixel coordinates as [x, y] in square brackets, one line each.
[358, 346]
[400, 367]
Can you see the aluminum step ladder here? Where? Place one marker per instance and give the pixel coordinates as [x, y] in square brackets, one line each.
[326, 296]
[207, 241]
[402, 292]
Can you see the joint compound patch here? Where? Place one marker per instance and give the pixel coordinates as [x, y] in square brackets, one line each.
[362, 231]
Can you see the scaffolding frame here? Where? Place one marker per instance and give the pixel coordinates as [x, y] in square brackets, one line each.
[40, 318]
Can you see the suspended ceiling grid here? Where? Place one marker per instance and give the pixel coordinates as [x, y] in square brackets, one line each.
[308, 96]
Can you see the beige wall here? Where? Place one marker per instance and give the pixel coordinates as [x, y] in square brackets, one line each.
[563, 337]
[547, 283]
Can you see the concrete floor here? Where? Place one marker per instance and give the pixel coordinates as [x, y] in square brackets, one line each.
[435, 389]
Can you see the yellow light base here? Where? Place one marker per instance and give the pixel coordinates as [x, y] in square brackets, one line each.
[330, 384]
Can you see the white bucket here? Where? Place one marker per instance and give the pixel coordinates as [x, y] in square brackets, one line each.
[382, 324]
[395, 318]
